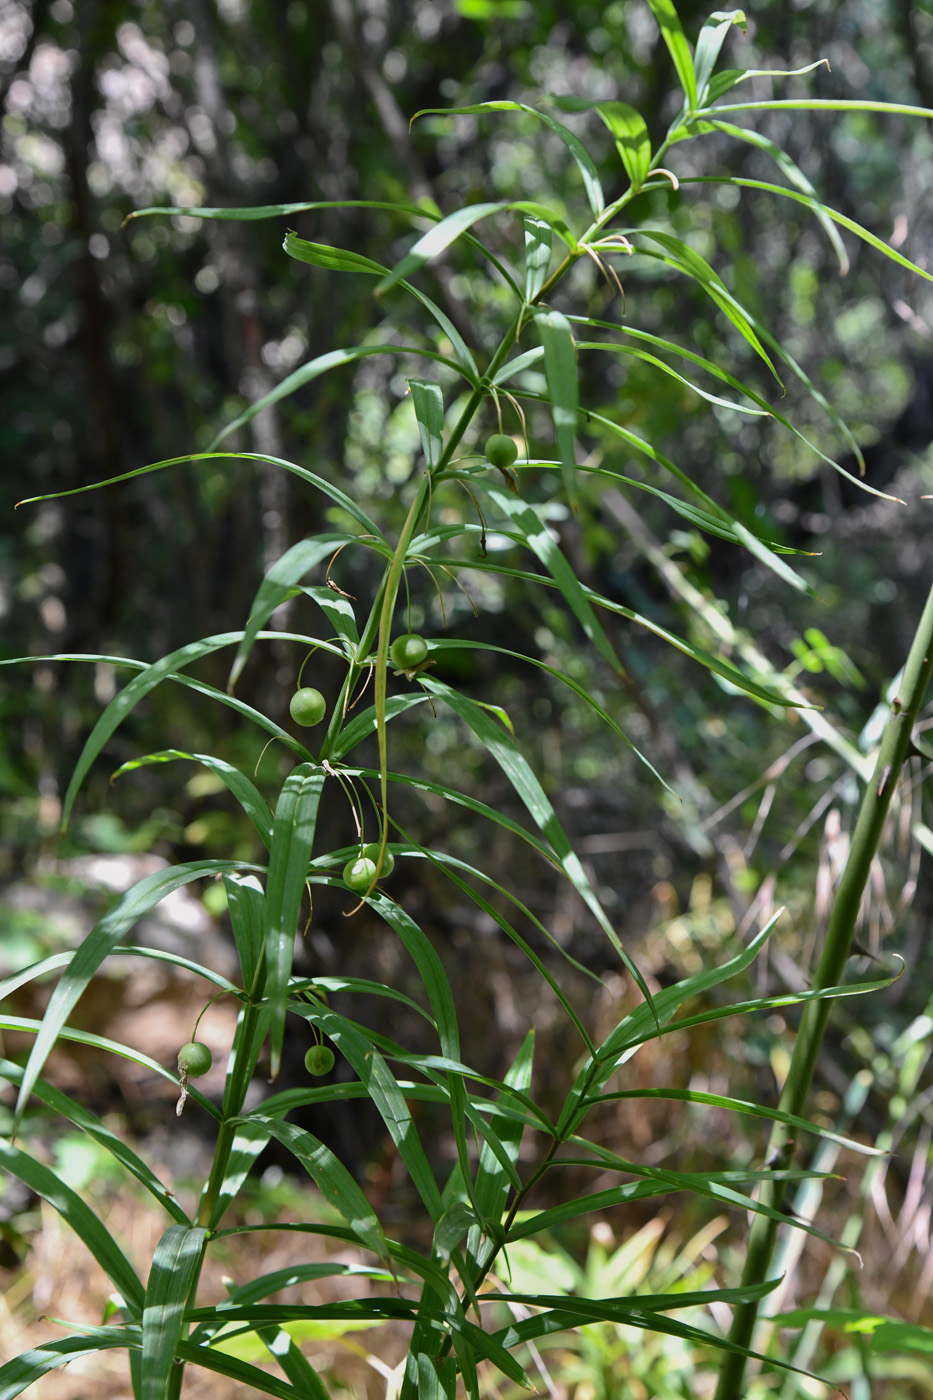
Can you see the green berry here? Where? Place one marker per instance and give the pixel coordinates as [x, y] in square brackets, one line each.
[371, 852]
[307, 706]
[319, 1059]
[408, 651]
[358, 874]
[194, 1059]
[501, 450]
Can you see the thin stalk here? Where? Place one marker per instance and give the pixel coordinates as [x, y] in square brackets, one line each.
[893, 750]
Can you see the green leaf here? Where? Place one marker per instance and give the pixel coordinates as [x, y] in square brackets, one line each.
[882, 1333]
[333, 259]
[492, 1184]
[795, 176]
[126, 700]
[91, 1231]
[339, 497]
[246, 906]
[100, 1133]
[538, 538]
[537, 254]
[29, 1026]
[520, 775]
[30, 1366]
[279, 583]
[332, 1179]
[629, 132]
[128, 910]
[679, 49]
[293, 831]
[436, 241]
[364, 724]
[322, 364]
[248, 1142]
[248, 1378]
[428, 403]
[631, 138]
[359, 1048]
[679, 254]
[560, 366]
[256, 212]
[742, 388]
[581, 155]
[245, 792]
[665, 368]
[710, 43]
[175, 1266]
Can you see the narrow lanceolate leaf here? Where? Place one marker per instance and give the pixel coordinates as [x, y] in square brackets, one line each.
[279, 211]
[30, 1366]
[128, 910]
[91, 1231]
[631, 137]
[491, 1189]
[573, 143]
[640, 1024]
[679, 254]
[539, 539]
[249, 1140]
[710, 43]
[246, 906]
[436, 241]
[679, 49]
[245, 792]
[339, 497]
[386, 1096]
[628, 129]
[292, 838]
[537, 254]
[333, 259]
[100, 1133]
[516, 768]
[796, 177]
[322, 364]
[428, 403]
[175, 1266]
[125, 701]
[280, 583]
[560, 367]
[332, 1179]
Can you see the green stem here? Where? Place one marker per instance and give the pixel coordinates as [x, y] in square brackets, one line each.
[893, 750]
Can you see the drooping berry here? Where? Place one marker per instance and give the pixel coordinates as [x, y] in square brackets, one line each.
[319, 1060]
[501, 451]
[194, 1059]
[408, 652]
[307, 706]
[358, 874]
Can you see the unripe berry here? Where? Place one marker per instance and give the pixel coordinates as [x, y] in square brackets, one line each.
[194, 1059]
[358, 874]
[501, 451]
[371, 852]
[307, 706]
[319, 1060]
[408, 651]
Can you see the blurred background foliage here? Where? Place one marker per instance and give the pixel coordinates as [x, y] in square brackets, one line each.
[128, 344]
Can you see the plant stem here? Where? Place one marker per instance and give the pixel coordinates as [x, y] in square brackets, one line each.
[892, 752]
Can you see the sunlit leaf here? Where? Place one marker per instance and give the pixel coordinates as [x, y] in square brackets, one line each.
[428, 403]
[90, 1230]
[293, 829]
[679, 49]
[582, 157]
[560, 366]
[175, 1265]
